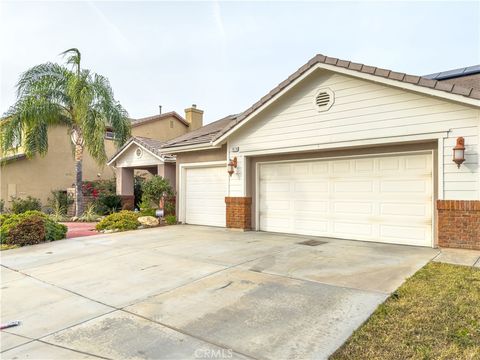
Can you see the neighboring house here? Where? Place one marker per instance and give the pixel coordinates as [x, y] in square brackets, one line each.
[338, 149]
[37, 177]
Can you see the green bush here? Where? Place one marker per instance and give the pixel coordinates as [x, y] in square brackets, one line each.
[171, 219]
[28, 204]
[54, 230]
[29, 231]
[154, 189]
[148, 212]
[9, 232]
[121, 221]
[108, 204]
[58, 204]
[90, 214]
[2, 206]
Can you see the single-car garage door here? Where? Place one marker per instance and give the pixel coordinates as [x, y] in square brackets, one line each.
[382, 198]
[205, 189]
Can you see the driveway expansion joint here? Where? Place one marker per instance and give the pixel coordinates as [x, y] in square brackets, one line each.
[226, 347]
[60, 287]
[321, 283]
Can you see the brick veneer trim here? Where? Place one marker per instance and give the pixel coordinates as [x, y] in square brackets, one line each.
[238, 212]
[459, 223]
[466, 205]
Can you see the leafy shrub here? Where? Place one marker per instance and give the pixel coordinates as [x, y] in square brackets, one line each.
[28, 204]
[54, 230]
[169, 205]
[122, 221]
[108, 204]
[51, 230]
[29, 231]
[154, 189]
[148, 212]
[2, 206]
[99, 187]
[171, 219]
[90, 214]
[58, 203]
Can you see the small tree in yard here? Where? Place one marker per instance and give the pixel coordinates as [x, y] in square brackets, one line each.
[51, 94]
[155, 189]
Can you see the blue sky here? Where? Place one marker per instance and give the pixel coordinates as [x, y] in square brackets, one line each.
[224, 56]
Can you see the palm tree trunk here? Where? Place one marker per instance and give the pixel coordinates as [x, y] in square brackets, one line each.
[78, 180]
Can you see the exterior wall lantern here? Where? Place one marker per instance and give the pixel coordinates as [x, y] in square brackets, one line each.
[232, 165]
[459, 152]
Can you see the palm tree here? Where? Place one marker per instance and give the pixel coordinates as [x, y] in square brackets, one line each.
[50, 95]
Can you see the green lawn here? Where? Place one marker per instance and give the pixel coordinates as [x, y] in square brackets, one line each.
[434, 315]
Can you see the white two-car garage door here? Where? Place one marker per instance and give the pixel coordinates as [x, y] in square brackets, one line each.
[205, 189]
[382, 198]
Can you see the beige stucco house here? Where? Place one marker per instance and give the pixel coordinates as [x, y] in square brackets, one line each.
[339, 149]
[38, 176]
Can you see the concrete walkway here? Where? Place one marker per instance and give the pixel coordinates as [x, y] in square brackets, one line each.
[80, 229]
[459, 257]
[186, 292]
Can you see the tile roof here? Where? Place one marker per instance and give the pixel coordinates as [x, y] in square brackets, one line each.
[205, 134]
[468, 92]
[137, 122]
[151, 144]
[215, 130]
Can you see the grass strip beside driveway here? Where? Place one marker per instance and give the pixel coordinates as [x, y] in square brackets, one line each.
[435, 314]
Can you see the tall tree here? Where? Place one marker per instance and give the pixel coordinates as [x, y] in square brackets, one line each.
[51, 94]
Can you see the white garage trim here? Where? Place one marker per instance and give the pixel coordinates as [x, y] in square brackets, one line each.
[378, 155]
[182, 181]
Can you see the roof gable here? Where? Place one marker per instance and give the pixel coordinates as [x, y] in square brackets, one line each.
[150, 147]
[149, 119]
[419, 84]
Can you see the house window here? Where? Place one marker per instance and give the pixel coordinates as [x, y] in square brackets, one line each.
[109, 135]
[324, 99]
[17, 141]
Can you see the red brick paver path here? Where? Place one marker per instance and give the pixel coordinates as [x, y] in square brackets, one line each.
[77, 229]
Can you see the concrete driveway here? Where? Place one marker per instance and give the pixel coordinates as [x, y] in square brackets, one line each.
[189, 292]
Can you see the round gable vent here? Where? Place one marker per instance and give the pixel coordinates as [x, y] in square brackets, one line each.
[324, 99]
[139, 152]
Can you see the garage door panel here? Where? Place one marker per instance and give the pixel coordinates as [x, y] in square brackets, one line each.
[364, 165]
[306, 227]
[411, 235]
[309, 206]
[353, 186]
[405, 209]
[404, 186]
[383, 198]
[319, 168]
[311, 186]
[341, 167]
[356, 229]
[416, 162]
[276, 205]
[276, 186]
[205, 190]
[278, 224]
[351, 207]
